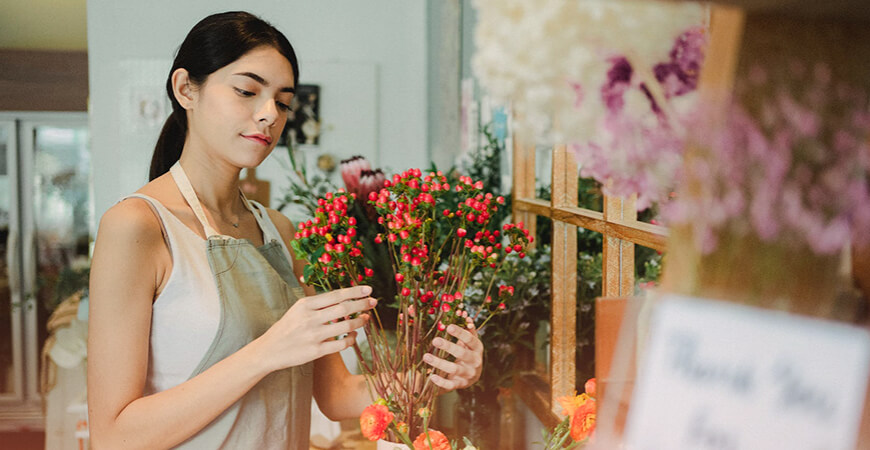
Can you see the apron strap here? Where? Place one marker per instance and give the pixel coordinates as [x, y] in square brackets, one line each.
[258, 213]
[190, 195]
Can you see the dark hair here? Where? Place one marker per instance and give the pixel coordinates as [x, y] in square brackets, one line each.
[214, 42]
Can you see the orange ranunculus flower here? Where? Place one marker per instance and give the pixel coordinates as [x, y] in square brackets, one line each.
[583, 421]
[374, 421]
[439, 441]
[591, 387]
[570, 403]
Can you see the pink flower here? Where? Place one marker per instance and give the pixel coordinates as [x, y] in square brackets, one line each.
[591, 387]
[370, 181]
[350, 172]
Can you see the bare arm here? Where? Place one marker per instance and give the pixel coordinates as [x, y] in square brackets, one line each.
[124, 278]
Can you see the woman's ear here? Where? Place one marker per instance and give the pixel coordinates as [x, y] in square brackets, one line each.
[182, 89]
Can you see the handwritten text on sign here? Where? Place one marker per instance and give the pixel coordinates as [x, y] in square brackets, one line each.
[719, 376]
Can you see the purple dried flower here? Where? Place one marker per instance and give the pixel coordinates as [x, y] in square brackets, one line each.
[800, 163]
[639, 151]
[618, 81]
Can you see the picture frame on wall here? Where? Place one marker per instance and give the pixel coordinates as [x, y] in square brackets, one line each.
[303, 119]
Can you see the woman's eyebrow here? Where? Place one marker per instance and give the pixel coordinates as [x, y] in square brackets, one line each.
[263, 81]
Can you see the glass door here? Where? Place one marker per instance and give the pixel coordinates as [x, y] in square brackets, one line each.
[56, 216]
[11, 375]
[46, 218]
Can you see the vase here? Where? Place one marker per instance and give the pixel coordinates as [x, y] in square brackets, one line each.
[478, 416]
[383, 444]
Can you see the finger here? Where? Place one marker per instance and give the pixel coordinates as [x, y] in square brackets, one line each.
[469, 338]
[339, 328]
[446, 384]
[442, 364]
[345, 309]
[460, 352]
[337, 296]
[336, 345]
[469, 323]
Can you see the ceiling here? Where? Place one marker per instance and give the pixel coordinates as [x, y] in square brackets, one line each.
[43, 24]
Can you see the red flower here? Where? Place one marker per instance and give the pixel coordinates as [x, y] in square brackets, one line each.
[590, 387]
[583, 421]
[374, 421]
[437, 439]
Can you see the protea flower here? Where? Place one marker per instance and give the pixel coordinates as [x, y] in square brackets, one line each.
[350, 172]
[369, 181]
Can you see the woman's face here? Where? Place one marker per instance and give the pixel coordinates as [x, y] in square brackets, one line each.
[239, 112]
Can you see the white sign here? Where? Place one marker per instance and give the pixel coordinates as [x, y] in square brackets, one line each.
[728, 377]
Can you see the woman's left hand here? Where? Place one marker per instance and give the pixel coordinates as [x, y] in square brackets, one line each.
[467, 351]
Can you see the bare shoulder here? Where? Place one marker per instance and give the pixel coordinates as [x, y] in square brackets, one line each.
[131, 218]
[131, 259]
[135, 217]
[131, 230]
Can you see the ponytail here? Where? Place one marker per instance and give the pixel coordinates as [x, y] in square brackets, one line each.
[213, 43]
[169, 144]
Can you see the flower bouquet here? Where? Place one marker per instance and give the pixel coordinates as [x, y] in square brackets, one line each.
[438, 237]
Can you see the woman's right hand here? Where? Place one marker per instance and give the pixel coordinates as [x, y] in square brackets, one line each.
[308, 330]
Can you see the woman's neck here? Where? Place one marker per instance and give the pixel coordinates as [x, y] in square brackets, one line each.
[216, 183]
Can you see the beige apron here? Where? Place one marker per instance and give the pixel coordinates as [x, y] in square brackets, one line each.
[256, 286]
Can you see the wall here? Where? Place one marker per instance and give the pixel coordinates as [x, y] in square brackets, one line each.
[444, 21]
[43, 25]
[375, 49]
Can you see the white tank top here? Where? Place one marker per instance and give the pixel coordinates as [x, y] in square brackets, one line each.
[186, 315]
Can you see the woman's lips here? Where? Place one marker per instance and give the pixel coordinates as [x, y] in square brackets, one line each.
[258, 138]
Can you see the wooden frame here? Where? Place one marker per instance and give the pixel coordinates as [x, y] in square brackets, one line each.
[620, 231]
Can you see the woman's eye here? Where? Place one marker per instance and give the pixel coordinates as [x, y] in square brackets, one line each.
[244, 93]
[283, 106]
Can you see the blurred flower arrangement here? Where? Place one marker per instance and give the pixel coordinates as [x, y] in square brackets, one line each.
[640, 141]
[595, 75]
[787, 163]
[790, 164]
[438, 236]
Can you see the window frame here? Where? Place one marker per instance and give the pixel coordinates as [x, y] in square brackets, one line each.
[620, 231]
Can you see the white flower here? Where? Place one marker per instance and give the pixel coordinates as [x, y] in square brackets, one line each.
[534, 54]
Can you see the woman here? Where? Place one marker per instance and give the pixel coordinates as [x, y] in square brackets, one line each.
[200, 334]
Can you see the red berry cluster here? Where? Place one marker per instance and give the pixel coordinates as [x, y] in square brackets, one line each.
[329, 243]
[411, 208]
